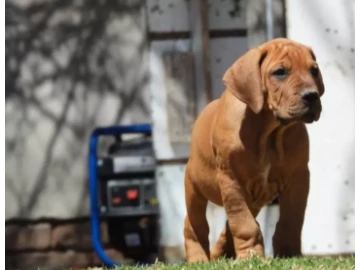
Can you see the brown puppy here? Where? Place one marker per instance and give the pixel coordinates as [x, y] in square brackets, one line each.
[250, 146]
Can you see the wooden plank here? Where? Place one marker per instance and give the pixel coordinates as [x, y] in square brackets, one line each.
[224, 52]
[228, 33]
[227, 14]
[167, 15]
[180, 95]
[169, 35]
[221, 33]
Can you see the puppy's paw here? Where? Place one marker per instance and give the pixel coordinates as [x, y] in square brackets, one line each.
[257, 251]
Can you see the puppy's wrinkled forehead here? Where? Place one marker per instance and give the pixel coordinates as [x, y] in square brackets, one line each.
[288, 54]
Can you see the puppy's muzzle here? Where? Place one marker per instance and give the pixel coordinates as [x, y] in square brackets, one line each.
[310, 97]
[312, 102]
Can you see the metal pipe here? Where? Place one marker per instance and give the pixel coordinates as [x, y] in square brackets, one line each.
[269, 20]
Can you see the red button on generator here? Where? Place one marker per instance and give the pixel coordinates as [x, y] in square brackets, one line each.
[132, 194]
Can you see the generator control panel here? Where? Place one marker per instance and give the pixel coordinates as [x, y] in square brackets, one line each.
[128, 185]
[132, 196]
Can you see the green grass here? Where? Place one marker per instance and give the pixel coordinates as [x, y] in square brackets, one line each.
[261, 263]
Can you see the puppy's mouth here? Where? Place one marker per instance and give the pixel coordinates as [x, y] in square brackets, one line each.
[312, 112]
[310, 117]
[307, 114]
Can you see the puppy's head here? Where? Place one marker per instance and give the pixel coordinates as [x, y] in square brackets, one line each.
[282, 75]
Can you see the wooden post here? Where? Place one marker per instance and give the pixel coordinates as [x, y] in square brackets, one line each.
[204, 8]
[199, 27]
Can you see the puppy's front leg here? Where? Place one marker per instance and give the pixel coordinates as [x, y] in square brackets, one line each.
[246, 232]
[292, 200]
[196, 228]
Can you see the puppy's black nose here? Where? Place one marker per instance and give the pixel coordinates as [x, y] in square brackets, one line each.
[310, 97]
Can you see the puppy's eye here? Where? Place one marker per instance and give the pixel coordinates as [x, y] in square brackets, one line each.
[281, 73]
[314, 71]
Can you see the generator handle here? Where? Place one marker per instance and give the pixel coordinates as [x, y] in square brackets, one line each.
[93, 185]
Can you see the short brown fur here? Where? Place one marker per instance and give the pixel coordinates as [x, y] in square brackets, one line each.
[248, 147]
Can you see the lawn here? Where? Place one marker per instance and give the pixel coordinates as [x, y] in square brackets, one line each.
[258, 263]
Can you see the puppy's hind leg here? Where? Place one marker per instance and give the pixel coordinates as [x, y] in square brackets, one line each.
[224, 246]
[196, 228]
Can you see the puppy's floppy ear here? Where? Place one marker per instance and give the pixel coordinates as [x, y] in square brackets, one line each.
[312, 54]
[243, 79]
[319, 80]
